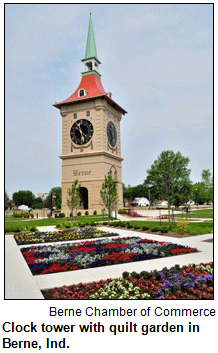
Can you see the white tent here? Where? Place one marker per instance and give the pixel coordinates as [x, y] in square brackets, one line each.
[24, 208]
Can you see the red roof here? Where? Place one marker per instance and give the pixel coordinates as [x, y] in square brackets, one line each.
[93, 87]
[91, 84]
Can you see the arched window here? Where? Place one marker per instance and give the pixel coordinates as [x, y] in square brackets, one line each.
[81, 92]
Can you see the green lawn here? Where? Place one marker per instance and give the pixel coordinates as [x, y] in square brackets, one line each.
[13, 225]
[208, 213]
[193, 228]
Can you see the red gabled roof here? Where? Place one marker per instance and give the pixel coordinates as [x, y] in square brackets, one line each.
[94, 88]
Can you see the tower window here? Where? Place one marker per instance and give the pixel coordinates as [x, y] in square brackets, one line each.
[88, 113]
[75, 115]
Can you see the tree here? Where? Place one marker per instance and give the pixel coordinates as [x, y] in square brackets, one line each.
[130, 192]
[108, 193]
[38, 203]
[23, 197]
[207, 178]
[55, 195]
[73, 200]
[127, 193]
[202, 192]
[168, 175]
[7, 201]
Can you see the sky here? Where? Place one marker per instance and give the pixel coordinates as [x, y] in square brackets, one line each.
[157, 60]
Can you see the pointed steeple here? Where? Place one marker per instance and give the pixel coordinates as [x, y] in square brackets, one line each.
[91, 62]
[91, 51]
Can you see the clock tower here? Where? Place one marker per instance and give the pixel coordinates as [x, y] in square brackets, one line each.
[90, 135]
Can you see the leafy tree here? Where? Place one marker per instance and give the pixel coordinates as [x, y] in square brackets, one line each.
[168, 176]
[23, 197]
[207, 178]
[127, 193]
[73, 200]
[130, 192]
[108, 193]
[7, 201]
[199, 193]
[38, 203]
[55, 195]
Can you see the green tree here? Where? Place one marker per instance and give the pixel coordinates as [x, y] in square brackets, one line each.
[168, 175]
[127, 193]
[207, 178]
[73, 199]
[55, 195]
[199, 193]
[38, 203]
[108, 193]
[23, 197]
[7, 201]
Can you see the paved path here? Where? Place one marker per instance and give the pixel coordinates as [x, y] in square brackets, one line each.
[21, 284]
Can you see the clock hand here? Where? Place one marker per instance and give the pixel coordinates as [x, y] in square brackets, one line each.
[81, 133]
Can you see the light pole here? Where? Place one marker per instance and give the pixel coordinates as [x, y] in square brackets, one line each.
[196, 196]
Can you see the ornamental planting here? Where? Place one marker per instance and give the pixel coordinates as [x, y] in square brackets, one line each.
[187, 282]
[45, 259]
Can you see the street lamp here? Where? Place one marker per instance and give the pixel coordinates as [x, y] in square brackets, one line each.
[196, 191]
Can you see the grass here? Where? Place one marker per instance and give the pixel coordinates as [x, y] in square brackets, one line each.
[17, 225]
[193, 228]
[208, 213]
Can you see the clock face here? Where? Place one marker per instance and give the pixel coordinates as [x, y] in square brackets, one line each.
[111, 134]
[81, 132]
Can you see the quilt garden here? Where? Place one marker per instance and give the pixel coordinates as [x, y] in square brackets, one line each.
[44, 259]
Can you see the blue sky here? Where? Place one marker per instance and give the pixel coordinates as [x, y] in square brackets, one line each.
[157, 60]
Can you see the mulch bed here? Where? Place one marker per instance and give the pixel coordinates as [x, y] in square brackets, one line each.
[148, 231]
[208, 240]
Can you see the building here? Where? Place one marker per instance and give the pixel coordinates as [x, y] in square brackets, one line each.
[140, 201]
[90, 135]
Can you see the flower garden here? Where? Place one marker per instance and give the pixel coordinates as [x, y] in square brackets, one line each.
[187, 282]
[64, 235]
[44, 259]
[74, 249]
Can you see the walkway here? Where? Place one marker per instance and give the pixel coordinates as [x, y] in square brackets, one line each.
[21, 284]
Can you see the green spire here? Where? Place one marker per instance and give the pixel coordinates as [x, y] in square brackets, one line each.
[91, 51]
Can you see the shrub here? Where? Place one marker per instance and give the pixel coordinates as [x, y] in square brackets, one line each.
[182, 226]
[60, 215]
[164, 229]
[155, 228]
[93, 224]
[67, 225]
[105, 223]
[145, 227]
[87, 213]
[123, 224]
[121, 211]
[79, 214]
[95, 213]
[33, 228]
[81, 224]
[136, 227]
